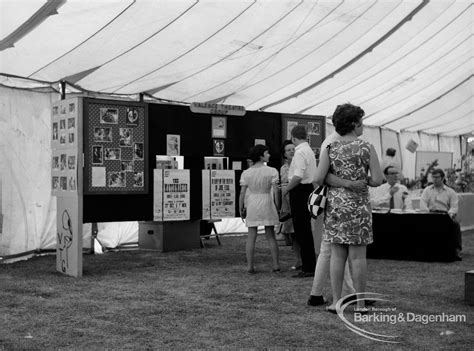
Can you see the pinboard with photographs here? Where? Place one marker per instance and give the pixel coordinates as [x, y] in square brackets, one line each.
[65, 146]
[315, 126]
[115, 151]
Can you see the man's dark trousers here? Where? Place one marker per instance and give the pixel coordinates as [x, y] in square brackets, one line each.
[302, 225]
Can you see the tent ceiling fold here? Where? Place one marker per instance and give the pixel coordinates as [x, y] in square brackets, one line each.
[408, 63]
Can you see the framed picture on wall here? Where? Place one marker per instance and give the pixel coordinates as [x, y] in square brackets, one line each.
[218, 147]
[219, 127]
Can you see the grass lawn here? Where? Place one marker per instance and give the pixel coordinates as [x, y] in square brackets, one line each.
[204, 299]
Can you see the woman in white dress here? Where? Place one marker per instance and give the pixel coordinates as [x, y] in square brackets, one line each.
[260, 208]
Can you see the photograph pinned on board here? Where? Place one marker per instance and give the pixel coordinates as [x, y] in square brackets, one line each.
[72, 108]
[173, 142]
[219, 127]
[103, 135]
[138, 179]
[55, 130]
[55, 183]
[138, 151]
[111, 154]
[71, 162]
[97, 155]
[126, 135]
[63, 162]
[289, 127]
[62, 124]
[126, 166]
[72, 183]
[117, 180]
[55, 164]
[108, 115]
[63, 183]
[71, 123]
[132, 117]
[314, 128]
[218, 147]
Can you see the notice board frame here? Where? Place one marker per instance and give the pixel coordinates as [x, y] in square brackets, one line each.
[89, 125]
[315, 125]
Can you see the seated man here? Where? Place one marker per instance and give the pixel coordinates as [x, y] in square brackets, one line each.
[391, 194]
[439, 197]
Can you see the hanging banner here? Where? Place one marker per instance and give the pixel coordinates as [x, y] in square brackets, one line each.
[218, 194]
[218, 109]
[171, 195]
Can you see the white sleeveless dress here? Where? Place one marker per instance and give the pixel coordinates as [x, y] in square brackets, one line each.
[261, 210]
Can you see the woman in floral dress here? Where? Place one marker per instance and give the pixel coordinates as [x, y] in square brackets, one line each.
[348, 216]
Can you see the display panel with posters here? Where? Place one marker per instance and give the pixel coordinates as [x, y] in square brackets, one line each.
[66, 183]
[171, 195]
[218, 194]
[115, 159]
[315, 126]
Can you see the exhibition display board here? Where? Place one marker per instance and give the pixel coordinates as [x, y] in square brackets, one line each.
[100, 171]
[66, 178]
[116, 156]
[315, 126]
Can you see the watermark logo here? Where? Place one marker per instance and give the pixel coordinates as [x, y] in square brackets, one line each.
[371, 316]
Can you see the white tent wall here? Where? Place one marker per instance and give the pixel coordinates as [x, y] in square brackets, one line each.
[451, 144]
[27, 205]
[428, 142]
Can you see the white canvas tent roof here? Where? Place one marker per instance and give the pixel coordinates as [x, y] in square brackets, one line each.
[408, 63]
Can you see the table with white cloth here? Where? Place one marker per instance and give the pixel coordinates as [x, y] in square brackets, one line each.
[416, 236]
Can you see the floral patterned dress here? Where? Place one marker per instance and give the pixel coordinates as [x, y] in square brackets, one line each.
[348, 216]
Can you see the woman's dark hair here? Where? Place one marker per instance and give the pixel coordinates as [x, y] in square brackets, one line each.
[285, 143]
[345, 117]
[256, 152]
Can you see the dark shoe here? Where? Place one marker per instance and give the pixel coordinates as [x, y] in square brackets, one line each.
[277, 270]
[316, 300]
[331, 310]
[350, 300]
[252, 271]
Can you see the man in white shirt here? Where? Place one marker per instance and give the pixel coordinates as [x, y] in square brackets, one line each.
[301, 175]
[439, 197]
[390, 160]
[391, 194]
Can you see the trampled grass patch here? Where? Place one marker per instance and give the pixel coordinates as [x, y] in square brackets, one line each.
[204, 299]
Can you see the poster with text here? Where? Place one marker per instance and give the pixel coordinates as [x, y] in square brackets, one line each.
[171, 196]
[218, 194]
